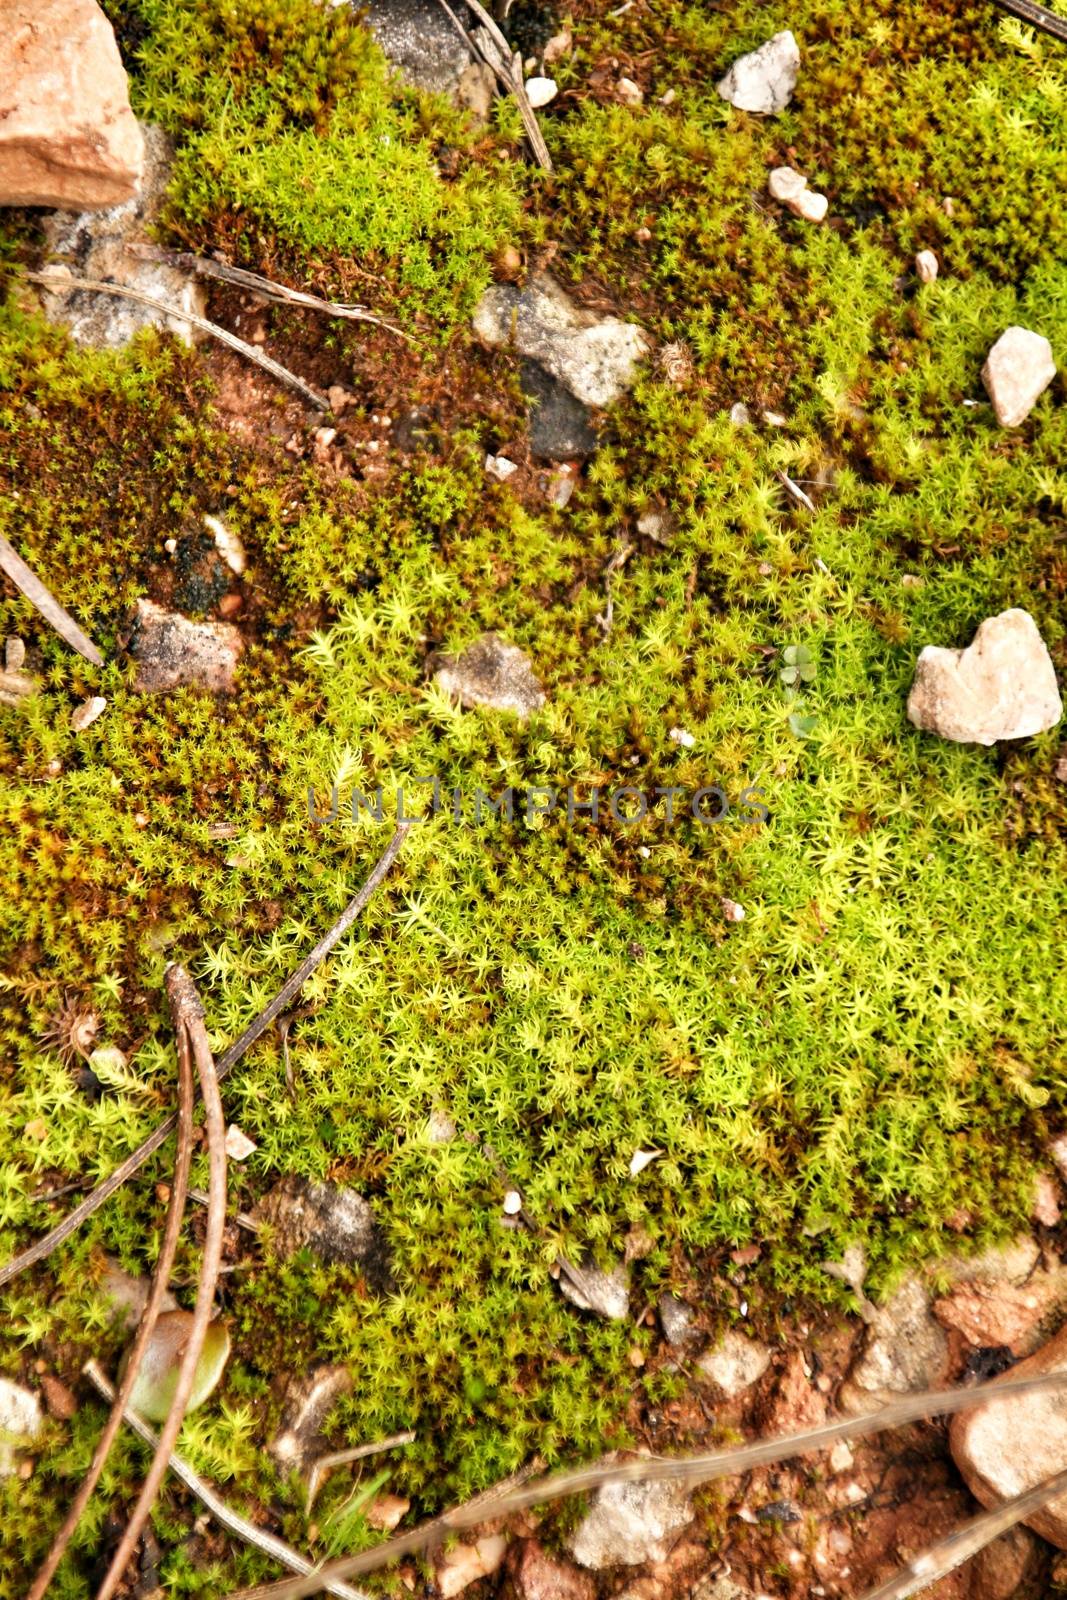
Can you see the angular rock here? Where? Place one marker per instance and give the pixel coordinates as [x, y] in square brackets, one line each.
[764, 80]
[1046, 1208]
[541, 92]
[1003, 1314]
[1018, 370]
[677, 1320]
[463, 1565]
[1007, 1446]
[337, 1224]
[904, 1350]
[560, 429]
[309, 1399]
[629, 1523]
[795, 1403]
[67, 134]
[490, 673]
[1002, 686]
[102, 245]
[537, 1575]
[421, 43]
[596, 358]
[590, 1289]
[20, 1423]
[1004, 1568]
[790, 189]
[735, 1363]
[926, 266]
[171, 652]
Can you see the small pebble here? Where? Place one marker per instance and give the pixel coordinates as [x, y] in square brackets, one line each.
[87, 712]
[683, 737]
[227, 543]
[230, 604]
[14, 654]
[238, 1145]
[512, 1203]
[629, 92]
[926, 266]
[500, 467]
[790, 188]
[740, 415]
[540, 91]
[731, 910]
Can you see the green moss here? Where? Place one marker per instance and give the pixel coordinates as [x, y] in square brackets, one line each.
[878, 1043]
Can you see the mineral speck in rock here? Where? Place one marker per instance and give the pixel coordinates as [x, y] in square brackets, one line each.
[1002, 686]
[764, 80]
[490, 673]
[1018, 370]
[172, 652]
[629, 1523]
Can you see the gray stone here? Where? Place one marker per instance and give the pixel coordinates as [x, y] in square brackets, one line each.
[337, 1224]
[735, 1363]
[1008, 1446]
[20, 1423]
[171, 652]
[1018, 370]
[422, 44]
[596, 358]
[677, 1320]
[129, 1295]
[764, 80]
[560, 429]
[490, 673]
[905, 1350]
[309, 1399]
[590, 1289]
[629, 1523]
[1002, 686]
[97, 244]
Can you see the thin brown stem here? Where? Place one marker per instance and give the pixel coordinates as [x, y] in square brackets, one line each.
[189, 1014]
[267, 1543]
[284, 998]
[62, 283]
[160, 1277]
[680, 1469]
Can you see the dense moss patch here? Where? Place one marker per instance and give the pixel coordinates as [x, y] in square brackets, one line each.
[876, 1047]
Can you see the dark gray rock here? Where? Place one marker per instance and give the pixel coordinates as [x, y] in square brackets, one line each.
[421, 43]
[337, 1224]
[560, 428]
[678, 1321]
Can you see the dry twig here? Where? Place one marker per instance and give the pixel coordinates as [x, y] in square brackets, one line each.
[206, 267]
[226, 1062]
[27, 580]
[342, 1458]
[164, 1262]
[189, 1018]
[508, 68]
[62, 283]
[679, 1469]
[267, 1543]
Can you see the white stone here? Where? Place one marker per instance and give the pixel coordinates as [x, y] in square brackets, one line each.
[629, 92]
[541, 91]
[740, 416]
[20, 1423]
[926, 266]
[1018, 370]
[642, 1159]
[1002, 686]
[790, 188]
[227, 543]
[764, 80]
[629, 1523]
[466, 1563]
[735, 1363]
[500, 467]
[238, 1145]
[731, 910]
[512, 1203]
[682, 737]
[87, 712]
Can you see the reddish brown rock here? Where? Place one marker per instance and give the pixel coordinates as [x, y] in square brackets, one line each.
[1007, 1568]
[1002, 1313]
[537, 1575]
[67, 135]
[1008, 1446]
[57, 1397]
[794, 1403]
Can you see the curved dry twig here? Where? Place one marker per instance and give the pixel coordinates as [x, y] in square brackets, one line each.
[227, 1061]
[38, 595]
[681, 1469]
[959, 1546]
[267, 1543]
[153, 1305]
[62, 283]
[189, 1016]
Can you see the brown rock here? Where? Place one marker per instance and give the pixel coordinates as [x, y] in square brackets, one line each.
[67, 135]
[60, 1401]
[1004, 1569]
[537, 1575]
[1002, 1313]
[1008, 1446]
[172, 652]
[794, 1403]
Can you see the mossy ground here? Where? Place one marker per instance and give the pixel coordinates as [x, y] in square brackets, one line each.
[876, 1047]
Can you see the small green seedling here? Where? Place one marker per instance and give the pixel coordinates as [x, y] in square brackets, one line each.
[799, 665]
